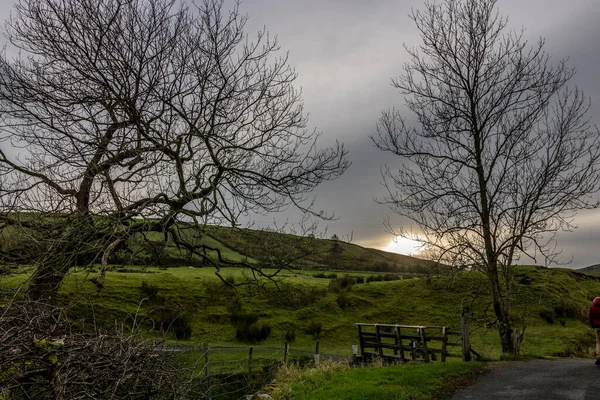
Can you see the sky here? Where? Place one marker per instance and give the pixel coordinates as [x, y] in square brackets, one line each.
[347, 51]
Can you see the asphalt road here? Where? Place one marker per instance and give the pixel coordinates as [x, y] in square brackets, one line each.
[573, 379]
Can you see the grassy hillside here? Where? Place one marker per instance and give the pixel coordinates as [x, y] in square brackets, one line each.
[592, 269]
[304, 308]
[314, 253]
[256, 247]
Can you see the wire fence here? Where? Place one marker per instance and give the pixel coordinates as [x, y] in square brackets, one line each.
[223, 373]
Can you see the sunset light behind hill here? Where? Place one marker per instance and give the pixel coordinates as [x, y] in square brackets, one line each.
[406, 246]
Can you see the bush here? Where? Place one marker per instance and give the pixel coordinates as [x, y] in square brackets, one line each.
[248, 329]
[54, 361]
[339, 284]
[314, 328]
[235, 307]
[242, 319]
[230, 280]
[391, 277]
[181, 328]
[169, 319]
[547, 315]
[151, 292]
[382, 266]
[303, 298]
[253, 333]
[343, 301]
[360, 279]
[374, 278]
[323, 275]
[567, 309]
[290, 334]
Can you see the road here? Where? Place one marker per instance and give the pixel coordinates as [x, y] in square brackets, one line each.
[573, 379]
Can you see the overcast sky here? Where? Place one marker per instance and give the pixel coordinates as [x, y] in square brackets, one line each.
[347, 51]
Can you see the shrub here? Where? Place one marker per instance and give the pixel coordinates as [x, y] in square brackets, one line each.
[314, 328]
[151, 293]
[374, 278]
[290, 334]
[56, 361]
[230, 280]
[343, 283]
[248, 329]
[382, 266]
[343, 301]
[323, 275]
[391, 277]
[170, 319]
[567, 309]
[253, 332]
[242, 319]
[547, 315]
[181, 327]
[304, 297]
[360, 279]
[235, 307]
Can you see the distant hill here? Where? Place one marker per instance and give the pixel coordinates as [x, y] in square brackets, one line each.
[311, 253]
[592, 269]
[227, 246]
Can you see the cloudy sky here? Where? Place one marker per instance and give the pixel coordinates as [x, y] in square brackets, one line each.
[347, 51]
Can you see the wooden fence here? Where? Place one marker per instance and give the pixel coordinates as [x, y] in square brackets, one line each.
[401, 343]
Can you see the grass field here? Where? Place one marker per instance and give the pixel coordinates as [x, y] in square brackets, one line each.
[304, 308]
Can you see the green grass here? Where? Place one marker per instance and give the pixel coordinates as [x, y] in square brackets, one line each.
[301, 300]
[411, 381]
[304, 301]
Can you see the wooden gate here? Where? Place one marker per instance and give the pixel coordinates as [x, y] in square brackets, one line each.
[401, 343]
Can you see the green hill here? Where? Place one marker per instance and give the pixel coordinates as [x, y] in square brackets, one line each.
[592, 269]
[303, 307]
[226, 246]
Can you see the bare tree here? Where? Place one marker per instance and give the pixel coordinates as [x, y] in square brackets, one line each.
[501, 154]
[128, 116]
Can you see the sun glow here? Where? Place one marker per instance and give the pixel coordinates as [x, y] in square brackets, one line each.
[404, 246]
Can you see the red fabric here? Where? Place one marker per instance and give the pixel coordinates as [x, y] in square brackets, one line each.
[594, 314]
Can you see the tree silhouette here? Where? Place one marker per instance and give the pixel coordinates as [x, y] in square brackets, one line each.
[501, 155]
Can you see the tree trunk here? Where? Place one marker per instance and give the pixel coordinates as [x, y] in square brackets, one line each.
[45, 283]
[502, 316]
[61, 252]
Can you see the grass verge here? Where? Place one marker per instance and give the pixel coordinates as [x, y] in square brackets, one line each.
[409, 381]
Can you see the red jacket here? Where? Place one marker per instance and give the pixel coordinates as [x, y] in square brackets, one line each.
[594, 314]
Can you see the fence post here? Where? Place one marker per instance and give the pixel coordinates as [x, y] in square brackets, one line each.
[250, 361]
[424, 344]
[444, 343]
[379, 347]
[317, 354]
[206, 361]
[286, 349]
[466, 342]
